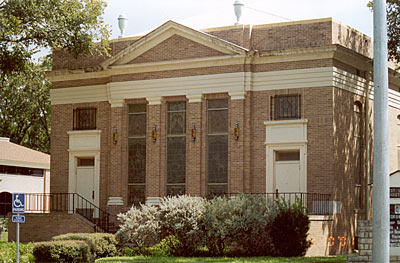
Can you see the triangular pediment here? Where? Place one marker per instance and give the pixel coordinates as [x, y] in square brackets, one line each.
[173, 41]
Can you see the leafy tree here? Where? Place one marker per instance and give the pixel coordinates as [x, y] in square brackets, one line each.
[25, 107]
[30, 25]
[393, 27]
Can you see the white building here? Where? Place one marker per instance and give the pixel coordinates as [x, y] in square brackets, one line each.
[22, 170]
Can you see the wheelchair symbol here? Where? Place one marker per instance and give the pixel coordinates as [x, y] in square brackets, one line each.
[17, 202]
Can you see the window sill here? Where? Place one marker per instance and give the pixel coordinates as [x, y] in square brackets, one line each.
[78, 132]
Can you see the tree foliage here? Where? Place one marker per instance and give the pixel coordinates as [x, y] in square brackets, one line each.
[27, 26]
[393, 28]
[25, 107]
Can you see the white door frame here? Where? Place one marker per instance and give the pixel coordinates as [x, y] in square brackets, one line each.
[73, 164]
[270, 164]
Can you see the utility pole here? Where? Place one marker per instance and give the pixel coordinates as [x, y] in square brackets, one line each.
[380, 219]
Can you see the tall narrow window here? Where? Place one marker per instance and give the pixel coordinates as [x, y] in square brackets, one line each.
[137, 154]
[217, 147]
[358, 152]
[176, 148]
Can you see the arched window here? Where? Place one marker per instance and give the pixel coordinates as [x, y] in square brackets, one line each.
[357, 118]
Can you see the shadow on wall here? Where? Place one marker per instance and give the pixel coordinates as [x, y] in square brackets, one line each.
[350, 169]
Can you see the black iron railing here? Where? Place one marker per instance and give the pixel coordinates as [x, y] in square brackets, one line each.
[316, 204]
[69, 203]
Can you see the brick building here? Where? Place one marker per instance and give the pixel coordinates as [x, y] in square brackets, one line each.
[277, 107]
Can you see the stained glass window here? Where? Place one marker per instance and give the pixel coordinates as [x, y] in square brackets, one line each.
[176, 148]
[217, 147]
[136, 154]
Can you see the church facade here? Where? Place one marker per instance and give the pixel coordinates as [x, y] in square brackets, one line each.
[277, 108]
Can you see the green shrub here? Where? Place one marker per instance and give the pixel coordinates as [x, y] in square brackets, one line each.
[289, 229]
[157, 250]
[8, 252]
[215, 221]
[130, 251]
[62, 251]
[250, 216]
[240, 223]
[180, 216]
[139, 226]
[100, 244]
[169, 246]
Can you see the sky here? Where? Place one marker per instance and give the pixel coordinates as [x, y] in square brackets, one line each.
[146, 15]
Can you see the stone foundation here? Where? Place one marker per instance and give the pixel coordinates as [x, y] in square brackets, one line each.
[365, 245]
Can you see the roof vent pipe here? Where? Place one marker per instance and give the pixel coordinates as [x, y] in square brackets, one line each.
[122, 23]
[238, 10]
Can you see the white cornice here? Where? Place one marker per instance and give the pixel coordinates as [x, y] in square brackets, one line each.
[236, 84]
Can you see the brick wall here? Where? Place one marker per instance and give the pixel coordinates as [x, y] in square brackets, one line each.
[176, 47]
[153, 153]
[62, 121]
[347, 177]
[41, 227]
[239, 35]
[261, 38]
[352, 39]
[237, 150]
[292, 36]
[320, 236]
[63, 60]
[316, 104]
[193, 149]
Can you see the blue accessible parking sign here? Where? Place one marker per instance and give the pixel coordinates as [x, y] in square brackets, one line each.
[18, 202]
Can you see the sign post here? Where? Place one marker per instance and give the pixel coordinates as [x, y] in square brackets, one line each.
[18, 206]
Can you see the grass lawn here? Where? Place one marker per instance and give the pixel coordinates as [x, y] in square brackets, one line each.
[143, 259]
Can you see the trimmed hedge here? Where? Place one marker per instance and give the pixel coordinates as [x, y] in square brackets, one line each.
[62, 251]
[100, 244]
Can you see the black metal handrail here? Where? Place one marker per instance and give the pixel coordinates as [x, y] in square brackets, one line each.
[316, 203]
[68, 203]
